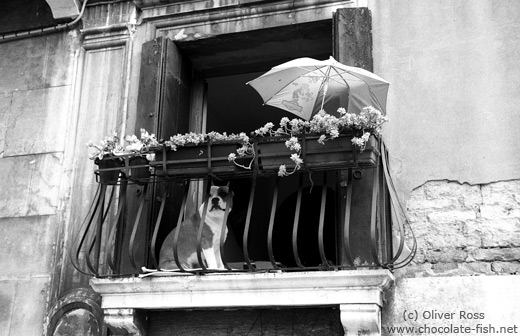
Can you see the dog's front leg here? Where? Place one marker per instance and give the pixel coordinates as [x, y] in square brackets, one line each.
[211, 259]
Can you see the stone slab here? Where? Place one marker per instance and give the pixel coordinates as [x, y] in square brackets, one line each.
[37, 121]
[24, 306]
[26, 245]
[39, 62]
[30, 185]
[5, 108]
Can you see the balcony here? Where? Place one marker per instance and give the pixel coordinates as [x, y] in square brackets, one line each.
[322, 236]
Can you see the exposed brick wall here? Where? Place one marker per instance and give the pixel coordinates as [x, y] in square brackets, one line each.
[464, 229]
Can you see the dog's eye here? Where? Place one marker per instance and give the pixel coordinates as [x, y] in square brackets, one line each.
[222, 193]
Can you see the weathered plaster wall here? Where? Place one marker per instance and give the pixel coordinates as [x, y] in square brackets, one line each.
[35, 97]
[454, 98]
[453, 105]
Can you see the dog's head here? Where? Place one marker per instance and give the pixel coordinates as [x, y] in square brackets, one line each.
[220, 198]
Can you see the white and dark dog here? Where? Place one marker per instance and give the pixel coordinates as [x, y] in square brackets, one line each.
[218, 200]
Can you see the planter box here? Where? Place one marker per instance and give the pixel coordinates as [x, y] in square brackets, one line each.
[109, 169]
[197, 160]
[112, 168]
[333, 154]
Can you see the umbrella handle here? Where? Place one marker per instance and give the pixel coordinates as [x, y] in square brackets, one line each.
[325, 87]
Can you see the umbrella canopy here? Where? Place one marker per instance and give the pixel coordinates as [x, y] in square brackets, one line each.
[304, 86]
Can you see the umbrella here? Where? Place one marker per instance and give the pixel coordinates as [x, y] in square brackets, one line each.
[304, 86]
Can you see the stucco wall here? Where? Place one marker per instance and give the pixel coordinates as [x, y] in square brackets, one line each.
[35, 97]
[454, 97]
[453, 105]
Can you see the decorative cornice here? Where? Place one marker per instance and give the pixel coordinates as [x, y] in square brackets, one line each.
[165, 13]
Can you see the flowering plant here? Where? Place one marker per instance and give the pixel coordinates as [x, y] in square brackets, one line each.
[141, 146]
[111, 145]
[197, 138]
[367, 122]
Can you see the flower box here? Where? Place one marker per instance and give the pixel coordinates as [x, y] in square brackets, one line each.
[109, 169]
[196, 160]
[112, 168]
[333, 154]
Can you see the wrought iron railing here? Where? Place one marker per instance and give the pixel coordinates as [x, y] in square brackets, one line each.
[319, 218]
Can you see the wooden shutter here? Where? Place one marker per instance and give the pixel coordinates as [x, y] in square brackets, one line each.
[163, 108]
[352, 34]
[163, 103]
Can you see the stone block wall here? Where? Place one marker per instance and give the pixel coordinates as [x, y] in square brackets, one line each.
[464, 229]
[35, 99]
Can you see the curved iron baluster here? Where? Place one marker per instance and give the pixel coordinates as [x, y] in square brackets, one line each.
[324, 261]
[82, 234]
[111, 237]
[271, 225]
[393, 200]
[131, 252]
[182, 215]
[92, 239]
[201, 224]
[373, 217]
[96, 243]
[155, 262]
[248, 222]
[346, 224]
[296, 222]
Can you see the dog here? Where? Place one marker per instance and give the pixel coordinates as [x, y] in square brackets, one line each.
[219, 199]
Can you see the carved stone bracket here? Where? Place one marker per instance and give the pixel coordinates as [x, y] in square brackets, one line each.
[361, 319]
[125, 321]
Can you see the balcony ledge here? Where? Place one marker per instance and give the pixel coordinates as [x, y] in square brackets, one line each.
[244, 290]
[359, 295]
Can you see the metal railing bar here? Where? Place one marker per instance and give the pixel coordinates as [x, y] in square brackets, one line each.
[203, 220]
[374, 217]
[131, 251]
[94, 241]
[82, 234]
[182, 215]
[245, 236]
[346, 224]
[400, 224]
[112, 236]
[385, 224]
[321, 226]
[153, 244]
[271, 225]
[99, 231]
[296, 222]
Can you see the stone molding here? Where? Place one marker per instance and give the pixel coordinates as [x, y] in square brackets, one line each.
[192, 20]
[358, 293]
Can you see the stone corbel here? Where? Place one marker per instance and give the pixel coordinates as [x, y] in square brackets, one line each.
[125, 322]
[361, 319]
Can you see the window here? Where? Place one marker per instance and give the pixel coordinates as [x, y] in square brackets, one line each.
[200, 86]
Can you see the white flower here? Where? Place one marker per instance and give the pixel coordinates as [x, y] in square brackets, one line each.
[282, 171]
[296, 158]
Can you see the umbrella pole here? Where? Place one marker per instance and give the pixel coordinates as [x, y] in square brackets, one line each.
[325, 87]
